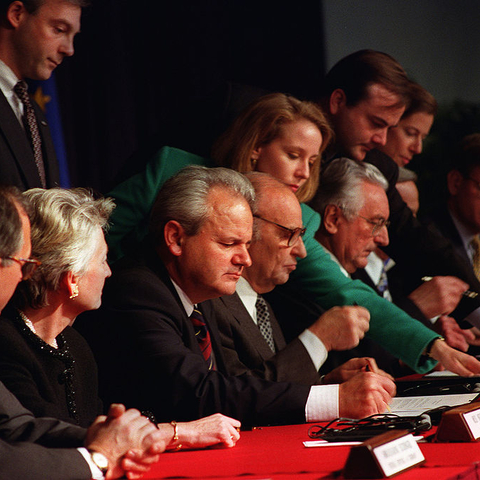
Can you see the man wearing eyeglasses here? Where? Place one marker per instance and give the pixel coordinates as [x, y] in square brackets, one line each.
[252, 339]
[354, 206]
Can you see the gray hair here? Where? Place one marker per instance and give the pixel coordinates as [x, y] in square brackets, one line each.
[183, 197]
[11, 232]
[341, 185]
[405, 175]
[63, 226]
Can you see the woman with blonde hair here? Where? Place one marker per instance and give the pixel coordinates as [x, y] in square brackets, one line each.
[265, 121]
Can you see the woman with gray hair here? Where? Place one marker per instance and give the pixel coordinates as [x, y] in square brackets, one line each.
[44, 362]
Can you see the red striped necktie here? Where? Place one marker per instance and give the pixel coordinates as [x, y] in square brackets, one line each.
[203, 336]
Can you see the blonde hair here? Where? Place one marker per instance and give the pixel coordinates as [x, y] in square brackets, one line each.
[261, 123]
[63, 231]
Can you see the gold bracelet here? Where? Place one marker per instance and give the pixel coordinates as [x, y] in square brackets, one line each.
[173, 423]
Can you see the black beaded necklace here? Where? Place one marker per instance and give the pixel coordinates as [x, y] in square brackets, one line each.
[62, 353]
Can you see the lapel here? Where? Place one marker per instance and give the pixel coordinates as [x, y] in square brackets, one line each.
[238, 311]
[19, 145]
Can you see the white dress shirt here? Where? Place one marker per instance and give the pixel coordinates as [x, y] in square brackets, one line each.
[8, 80]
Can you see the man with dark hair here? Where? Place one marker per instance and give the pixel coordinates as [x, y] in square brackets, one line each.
[364, 95]
[167, 355]
[459, 218]
[35, 37]
[38, 448]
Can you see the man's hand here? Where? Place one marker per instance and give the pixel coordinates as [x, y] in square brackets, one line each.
[455, 336]
[438, 296]
[351, 368]
[365, 394]
[341, 328]
[453, 360]
[216, 429]
[121, 431]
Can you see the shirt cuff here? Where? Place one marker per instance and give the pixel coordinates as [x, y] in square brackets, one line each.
[322, 403]
[315, 348]
[96, 472]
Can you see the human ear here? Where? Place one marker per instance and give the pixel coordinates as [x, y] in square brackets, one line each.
[338, 99]
[15, 13]
[454, 182]
[174, 235]
[71, 284]
[331, 219]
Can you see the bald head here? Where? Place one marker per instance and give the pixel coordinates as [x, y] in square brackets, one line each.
[278, 217]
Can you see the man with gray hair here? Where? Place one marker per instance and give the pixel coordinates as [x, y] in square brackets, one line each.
[354, 207]
[165, 355]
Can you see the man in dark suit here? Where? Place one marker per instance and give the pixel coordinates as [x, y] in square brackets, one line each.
[364, 95]
[247, 343]
[38, 448]
[35, 36]
[165, 356]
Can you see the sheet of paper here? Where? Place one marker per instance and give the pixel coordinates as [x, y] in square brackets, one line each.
[410, 406]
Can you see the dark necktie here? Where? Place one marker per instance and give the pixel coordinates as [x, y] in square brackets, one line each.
[263, 322]
[203, 336]
[31, 126]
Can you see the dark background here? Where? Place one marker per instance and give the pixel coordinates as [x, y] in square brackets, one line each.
[153, 73]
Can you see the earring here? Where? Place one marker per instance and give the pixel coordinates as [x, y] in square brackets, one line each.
[254, 162]
[74, 292]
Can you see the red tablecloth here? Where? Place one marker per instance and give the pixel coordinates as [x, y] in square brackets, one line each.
[278, 453]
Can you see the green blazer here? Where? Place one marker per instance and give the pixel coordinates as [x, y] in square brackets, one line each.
[317, 274]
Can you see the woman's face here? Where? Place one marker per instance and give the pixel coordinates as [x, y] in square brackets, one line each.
[90, 284]
[290, 156]
[406, 139]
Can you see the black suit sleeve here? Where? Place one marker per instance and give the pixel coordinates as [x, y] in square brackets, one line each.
[23, 442]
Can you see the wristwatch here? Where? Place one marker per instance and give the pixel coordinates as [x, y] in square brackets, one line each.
[100, 460]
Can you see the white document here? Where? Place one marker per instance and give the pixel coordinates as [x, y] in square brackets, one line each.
[411, 406]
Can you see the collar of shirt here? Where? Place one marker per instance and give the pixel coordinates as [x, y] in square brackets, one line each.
[248, 296]
[334, 258]
[465, 234]
[186, 302]
[8, 80]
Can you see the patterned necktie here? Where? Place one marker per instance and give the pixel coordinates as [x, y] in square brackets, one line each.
[32, 129]
[263, 322]
[475, 244]
[203, 336]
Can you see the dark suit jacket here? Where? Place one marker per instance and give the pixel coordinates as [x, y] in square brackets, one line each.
[246, 351]
[23, 439]
[17, 164]
[148, 356]
[419, 250]
[441, 221]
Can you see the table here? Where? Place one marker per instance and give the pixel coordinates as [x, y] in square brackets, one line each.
[278, 453]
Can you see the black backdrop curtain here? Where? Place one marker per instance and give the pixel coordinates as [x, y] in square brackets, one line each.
[153, 73]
